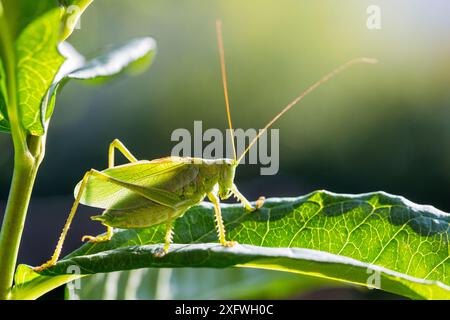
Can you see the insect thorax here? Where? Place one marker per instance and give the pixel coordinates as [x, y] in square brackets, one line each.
[217, 172]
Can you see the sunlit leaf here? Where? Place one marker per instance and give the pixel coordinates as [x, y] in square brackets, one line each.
[370, 239]
[38, 61]
[114, 62]
[34, 29]
[73, 9]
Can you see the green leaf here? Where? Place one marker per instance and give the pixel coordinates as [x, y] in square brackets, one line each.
[43, 63]
[137, 53]
[351, 238]
[30, 285]
[38, 61]
[32, 30]
[20, 13]
[73, 9]
[127, 57]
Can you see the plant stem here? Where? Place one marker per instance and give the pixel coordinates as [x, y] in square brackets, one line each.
[28, 154]
[14, 220]
[25, 171]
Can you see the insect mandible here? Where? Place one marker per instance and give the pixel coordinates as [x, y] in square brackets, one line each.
[145, 193]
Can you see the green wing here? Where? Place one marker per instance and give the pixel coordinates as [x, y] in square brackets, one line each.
[132, 185]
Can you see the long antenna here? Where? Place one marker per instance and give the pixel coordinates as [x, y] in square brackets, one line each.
[305, 93]
[224, 81]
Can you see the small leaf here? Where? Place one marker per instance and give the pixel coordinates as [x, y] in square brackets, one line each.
[117, 60]
[112, 63]
[30, 285]
[344, 237]
[73, 9]
[24, 274]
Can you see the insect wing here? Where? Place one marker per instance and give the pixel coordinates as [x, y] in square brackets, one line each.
[105, 194]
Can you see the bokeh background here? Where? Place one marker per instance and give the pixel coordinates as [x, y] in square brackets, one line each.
[383, 127]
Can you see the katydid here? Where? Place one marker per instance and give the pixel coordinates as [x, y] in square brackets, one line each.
[145, 193]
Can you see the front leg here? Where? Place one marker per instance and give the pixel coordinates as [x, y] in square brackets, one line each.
[245, 202]
[219, 221]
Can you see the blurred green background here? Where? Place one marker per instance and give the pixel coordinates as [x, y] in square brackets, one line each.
[383, 127]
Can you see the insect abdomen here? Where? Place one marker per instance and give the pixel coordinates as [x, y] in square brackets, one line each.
[142, 217]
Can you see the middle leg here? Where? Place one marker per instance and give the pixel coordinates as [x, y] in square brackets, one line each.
[167, 239]
[219, 221]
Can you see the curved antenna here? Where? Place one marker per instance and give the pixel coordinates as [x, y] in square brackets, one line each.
[224, 81]
[305, 93]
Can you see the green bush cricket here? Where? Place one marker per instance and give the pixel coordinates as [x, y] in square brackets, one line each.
[145, 193]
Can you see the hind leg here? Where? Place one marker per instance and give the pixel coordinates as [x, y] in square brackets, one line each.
[116, 144]
[97, 239]
[63, 235]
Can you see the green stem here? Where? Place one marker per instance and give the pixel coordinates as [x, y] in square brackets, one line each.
[28, 154]
[14, 220]
[25, 170]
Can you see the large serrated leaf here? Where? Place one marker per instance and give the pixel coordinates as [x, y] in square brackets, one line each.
[350, 238]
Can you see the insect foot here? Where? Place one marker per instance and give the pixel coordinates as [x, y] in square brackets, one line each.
[260, 202]
[229, 244]
[96, 239]
[160, 253]
[45, 266]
